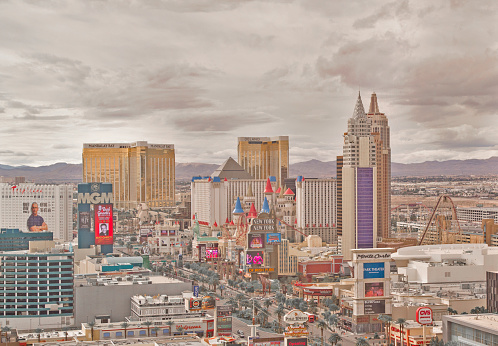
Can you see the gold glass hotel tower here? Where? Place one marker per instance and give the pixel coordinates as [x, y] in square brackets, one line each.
[139, 172]
[265, 156]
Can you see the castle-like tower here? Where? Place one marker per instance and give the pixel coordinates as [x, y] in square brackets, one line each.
[359, 183]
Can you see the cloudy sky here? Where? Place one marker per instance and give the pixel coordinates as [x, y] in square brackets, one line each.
[200, 73]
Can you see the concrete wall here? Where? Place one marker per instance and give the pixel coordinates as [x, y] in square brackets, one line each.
[91, 301]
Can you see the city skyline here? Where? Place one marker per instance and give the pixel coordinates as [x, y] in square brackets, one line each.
[200, 74]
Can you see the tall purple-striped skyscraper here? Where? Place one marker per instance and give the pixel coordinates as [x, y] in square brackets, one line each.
[359, 184]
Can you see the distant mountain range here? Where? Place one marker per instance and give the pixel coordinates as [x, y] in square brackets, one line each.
[72, 173]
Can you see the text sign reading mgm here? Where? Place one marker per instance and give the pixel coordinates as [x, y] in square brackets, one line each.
[93, 194]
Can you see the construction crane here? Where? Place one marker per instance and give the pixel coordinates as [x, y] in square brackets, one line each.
[439, 229]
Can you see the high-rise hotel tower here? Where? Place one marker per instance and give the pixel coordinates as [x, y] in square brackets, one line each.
[381, 132]
[359, 184]
[139, 172]
[265, 156]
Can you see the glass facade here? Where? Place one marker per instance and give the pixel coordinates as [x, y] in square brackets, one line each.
[36, 284]
[265, 156]
[139, 172]
[15, 240]
[364, 207]
[464, 335]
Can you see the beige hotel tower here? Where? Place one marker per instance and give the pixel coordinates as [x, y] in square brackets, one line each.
[382, 135]
[140, 172]
[265, 156]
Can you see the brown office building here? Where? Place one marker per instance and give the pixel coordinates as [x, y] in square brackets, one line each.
[139, 172]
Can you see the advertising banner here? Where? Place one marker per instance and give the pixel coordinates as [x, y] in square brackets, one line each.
[195, 290]
[195, 304]
[254, 257]
[84, 219]
[103, 224]
[373, 307]
[255, 241]
[202, 252]
[374, 289]
[273, 238]
[373, 270]
[297, 342]
[211, 253]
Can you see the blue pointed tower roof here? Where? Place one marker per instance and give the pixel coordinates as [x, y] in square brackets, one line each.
[238, 207]
[266, 207]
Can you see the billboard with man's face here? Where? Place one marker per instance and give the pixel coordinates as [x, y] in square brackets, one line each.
[103, 224]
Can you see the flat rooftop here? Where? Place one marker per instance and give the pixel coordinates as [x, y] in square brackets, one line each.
[113, 282]
[487, 322]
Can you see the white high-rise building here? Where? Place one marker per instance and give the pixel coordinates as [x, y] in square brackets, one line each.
[55, 206]
[213, 198]
[359, 184]
[316, 201]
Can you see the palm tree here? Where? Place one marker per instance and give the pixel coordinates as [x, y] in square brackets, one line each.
[401, 322]
[147, 324]
[155, 330]
[91, 325]
[334, 338]
[280, 312]
[322, 325]
[333, 307]
[170, 324]
[38, 331]
[180, 329]
[361, 342]
[333, 320]
[385, 319]
[125, 326]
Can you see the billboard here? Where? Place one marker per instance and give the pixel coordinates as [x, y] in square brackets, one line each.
[195, 290]
[254, 257]
[424, 315]
[373, 270]
[84, 219]
[273, 238]
[208, 303]
[212, 252]
[202, 251]
[373, 307]
[195, 304]
[374, 289]
[297, 342]
[103, 224]
[255, 241]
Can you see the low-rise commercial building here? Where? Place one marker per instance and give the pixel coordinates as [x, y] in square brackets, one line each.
[12, 239]
[413, 334]
[111, 301]
[202, 326]
[162, 307]
[479, 329]
[446, 263]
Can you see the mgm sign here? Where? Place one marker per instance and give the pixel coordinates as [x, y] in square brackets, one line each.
[92, 195]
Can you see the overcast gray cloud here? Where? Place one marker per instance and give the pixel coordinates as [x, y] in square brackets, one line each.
[200, 73]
